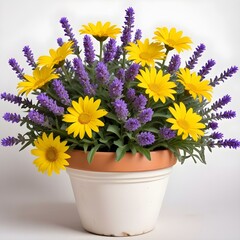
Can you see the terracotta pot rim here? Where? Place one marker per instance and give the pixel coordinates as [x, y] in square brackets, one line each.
[105, 161]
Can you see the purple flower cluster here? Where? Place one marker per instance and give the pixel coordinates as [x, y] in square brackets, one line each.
[139, 102]
[206, 68]
[132, 72]
[216, 135]
[50, 104]
[61, 92]
[196, 55]
[223, 76]
[36, 117]
[221, 102]
[16, 67]
[121, 110]
[131, 94]
[29, 55]
[118, 53]
[174, 64]
[9, 141]
[60, 42]
[11, 98]
[128, 26]
[145, 115]
[89, 51]
[132, 124]
[12, 117]
[167, 133]
[110, 50]
[224, 115]
[138, 35]
[121, 74]
[145, 138]
[102, 74]
[68, 32]
[230, 143]
[89, 89]
[115, 88]
[213, 125]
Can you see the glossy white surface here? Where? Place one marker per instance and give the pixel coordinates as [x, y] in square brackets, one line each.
[119, 204]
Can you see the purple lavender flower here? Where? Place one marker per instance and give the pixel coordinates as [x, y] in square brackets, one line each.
[221, 102]
[231, 143]
[118, 53]
[138, 35]
[131, 94]
[223, 76]
[12, 117]
[16, 67]
[139, 102]
[174, 64]
[9, 141]
[88, 49]
[68, 32]
[89, 89]
[121, 74]
[61, 92]
[127, 28]
[213, 125]
[60, 42]
[121, 109]
[224, 115]
[102, 73]
[132, 72]
[29, 55]
[11, 98]
[132, 124]
[145, 115]
[216, 135]
[50, 104]
[115, 88]
[167, 133]
[206, 68]
[110, 50]
[36, 117]
[196, 54]
[145, 138]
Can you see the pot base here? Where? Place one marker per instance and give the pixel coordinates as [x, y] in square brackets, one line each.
[119, 204]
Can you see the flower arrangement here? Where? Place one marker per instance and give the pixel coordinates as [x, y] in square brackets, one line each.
[130, 95]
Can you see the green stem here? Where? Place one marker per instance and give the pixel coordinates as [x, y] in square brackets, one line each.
[101, 50]
[66, 73]
[167, 51]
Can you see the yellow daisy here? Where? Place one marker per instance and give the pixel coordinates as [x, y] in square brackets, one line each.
[40, 77]
[145, 52]
[100, 31]
[186, 122]
[156, 84]
[51, 154]
[57, 56]
[172, 39]
[84, 116]
[193, 83]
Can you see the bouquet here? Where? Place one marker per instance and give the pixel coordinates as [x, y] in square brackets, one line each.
[117, 92]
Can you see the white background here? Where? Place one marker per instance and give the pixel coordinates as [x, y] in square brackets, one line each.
[202, 202]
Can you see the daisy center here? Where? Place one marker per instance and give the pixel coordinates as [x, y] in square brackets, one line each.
[183, 124]
[51, 154]
[145, 56]
[84, 118]
[155, 87]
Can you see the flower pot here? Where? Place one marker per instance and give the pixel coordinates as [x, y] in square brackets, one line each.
[119, 198]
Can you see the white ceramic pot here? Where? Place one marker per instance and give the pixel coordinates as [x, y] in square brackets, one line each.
[119, 203]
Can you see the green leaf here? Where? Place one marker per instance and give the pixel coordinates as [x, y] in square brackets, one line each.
[144, 152]
[114, 129]
[120, 152]
[118, 143]
[92, 152]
